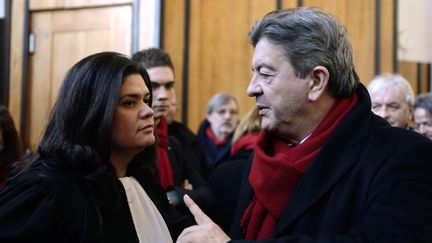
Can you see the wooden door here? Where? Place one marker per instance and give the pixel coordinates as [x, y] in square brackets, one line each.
[63, 37]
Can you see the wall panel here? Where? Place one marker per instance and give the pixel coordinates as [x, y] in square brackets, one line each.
[417, 74]
[173, 34]
[387, 55]
[219, 54]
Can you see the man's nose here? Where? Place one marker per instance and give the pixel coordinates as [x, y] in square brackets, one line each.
[253, 89]
[422, 129]
[162, 93]
[383, 112]
[227, 115]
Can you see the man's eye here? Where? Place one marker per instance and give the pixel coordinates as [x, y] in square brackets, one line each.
[375, 107]
[170, 86]
[394, 107]
[265, 74]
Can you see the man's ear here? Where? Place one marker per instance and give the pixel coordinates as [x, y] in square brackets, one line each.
[318, 84]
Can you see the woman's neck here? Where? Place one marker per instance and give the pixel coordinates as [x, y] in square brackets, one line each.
[120, 163]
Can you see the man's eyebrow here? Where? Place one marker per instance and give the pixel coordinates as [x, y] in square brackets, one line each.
[393, 103]
[162, 84]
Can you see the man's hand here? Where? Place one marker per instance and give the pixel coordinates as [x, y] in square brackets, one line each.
[206, 230]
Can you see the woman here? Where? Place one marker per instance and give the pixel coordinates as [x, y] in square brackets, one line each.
[10, 145]
[245, 135]
[85, 182]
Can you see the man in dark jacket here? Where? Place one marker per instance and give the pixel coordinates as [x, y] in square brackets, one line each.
[178, 175]
[216, 131]
[325, 168]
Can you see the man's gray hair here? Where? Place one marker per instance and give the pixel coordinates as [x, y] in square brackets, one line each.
[424, 101]
[392, 80]
[218, 100]
[310, 38]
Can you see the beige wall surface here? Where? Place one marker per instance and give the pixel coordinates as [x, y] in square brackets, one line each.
[215, 52]
[415, 30]
[219, 54]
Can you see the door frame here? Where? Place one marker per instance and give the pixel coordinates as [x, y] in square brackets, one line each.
[21, 115]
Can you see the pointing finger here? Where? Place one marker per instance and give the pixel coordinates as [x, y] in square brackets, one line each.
[199, 215]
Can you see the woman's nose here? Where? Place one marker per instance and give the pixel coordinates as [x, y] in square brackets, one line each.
[145, 112]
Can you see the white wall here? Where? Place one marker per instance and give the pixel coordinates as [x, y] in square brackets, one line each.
[149, 26]
[415, 30]
[2, 9]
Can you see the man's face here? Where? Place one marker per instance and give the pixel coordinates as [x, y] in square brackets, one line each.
[280, 95]
[390, 103]
[223, 120]
[423, 119]
[162, 79]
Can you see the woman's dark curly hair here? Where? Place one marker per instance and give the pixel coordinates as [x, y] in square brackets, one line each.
[12, 149]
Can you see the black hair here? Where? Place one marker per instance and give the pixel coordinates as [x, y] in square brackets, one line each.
[77, 136]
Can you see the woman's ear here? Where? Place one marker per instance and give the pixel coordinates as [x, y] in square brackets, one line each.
[319, 79]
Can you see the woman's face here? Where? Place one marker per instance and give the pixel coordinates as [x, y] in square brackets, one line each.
[133, 123]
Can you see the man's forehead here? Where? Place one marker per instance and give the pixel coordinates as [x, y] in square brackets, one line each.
[162, 81]
[231, 104]
[389, 94]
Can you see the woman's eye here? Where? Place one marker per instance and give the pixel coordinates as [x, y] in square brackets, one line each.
[130, 103]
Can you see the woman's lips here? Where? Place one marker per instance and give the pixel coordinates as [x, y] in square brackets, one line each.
[147, 128]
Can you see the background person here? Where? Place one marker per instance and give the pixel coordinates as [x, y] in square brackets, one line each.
[225, 180]
[325, 168]
[423, 114]
[392, 99]
[178, 175]
[245, 135]
[215, 132]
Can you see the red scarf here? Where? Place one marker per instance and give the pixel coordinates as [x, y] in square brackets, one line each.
[216, 140]
[246, 142]
[164, 165]
[277, 168]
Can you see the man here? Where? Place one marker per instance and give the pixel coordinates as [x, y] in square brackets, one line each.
[216, 130]
[423, 114]
[392, 99]
[325, 168]
[178, 175]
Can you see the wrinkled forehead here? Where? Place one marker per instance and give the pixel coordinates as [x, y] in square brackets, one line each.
[388, 93]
